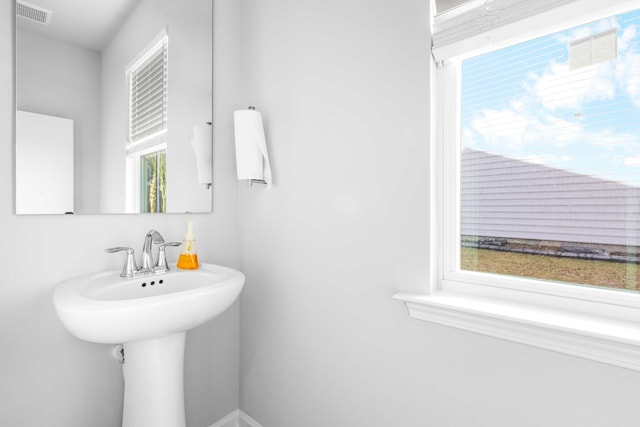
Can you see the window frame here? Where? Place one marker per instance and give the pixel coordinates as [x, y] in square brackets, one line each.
[595, 323]
[152, 142]
[133, 174]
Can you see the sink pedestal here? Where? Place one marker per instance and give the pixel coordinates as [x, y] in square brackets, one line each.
[154, 382]
[150, 315]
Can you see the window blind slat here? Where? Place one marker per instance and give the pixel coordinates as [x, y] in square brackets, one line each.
[151, 101]
[148, 95]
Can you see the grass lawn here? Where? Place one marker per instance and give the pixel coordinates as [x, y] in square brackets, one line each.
[598, 273]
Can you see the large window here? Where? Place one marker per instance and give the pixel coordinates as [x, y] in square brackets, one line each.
[535, 191]
[549, 156]
[147, 80]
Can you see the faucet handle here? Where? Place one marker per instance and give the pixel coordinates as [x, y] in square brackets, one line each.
[130, 268]
[163, 266]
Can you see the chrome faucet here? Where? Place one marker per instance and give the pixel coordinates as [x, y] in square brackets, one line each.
[147, 256]
[130, 268]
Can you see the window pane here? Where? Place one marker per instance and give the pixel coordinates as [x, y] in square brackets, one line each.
[153, 169]
[550, 157]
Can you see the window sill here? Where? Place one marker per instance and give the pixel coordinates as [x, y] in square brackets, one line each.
[596, 337]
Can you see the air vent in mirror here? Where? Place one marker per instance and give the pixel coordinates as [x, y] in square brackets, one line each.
[33, 13]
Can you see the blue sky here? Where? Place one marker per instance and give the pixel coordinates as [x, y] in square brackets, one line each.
[524, 102]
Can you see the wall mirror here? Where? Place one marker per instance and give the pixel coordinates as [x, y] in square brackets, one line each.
[114, 104]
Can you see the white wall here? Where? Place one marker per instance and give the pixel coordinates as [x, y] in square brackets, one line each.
[343, 87]
[49, 378]
[49, 85]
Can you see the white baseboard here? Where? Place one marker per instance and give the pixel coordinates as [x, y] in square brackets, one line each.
[237, 418]
[230, 420]
[247, 421]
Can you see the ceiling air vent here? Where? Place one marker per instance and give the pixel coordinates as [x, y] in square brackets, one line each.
[33, 13]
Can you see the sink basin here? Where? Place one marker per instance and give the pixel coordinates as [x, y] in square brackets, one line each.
[149, 315]
[106, 308]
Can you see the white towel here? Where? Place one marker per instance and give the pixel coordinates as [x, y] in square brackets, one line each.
[252, 159]
[203, 148]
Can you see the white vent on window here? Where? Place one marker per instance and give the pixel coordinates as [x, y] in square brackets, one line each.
[593, 49]
[33, 13]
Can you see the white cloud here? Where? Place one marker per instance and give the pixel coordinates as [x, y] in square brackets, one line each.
[619, 141]
[523, 129]
[627, 38]
[632, 161]
[468, 136]
[632, 86]
[561, 88]
[626, 72]
[521, 126]
[503, 127]
[550, 159]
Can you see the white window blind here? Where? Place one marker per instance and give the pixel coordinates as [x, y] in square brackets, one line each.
[484, 23]
[148, 93]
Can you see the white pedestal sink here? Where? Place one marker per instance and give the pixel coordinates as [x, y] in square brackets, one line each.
[150, 316]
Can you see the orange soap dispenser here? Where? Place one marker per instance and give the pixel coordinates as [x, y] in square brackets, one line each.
[188, 259]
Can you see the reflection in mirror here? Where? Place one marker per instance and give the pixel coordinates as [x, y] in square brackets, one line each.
[111, 100]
